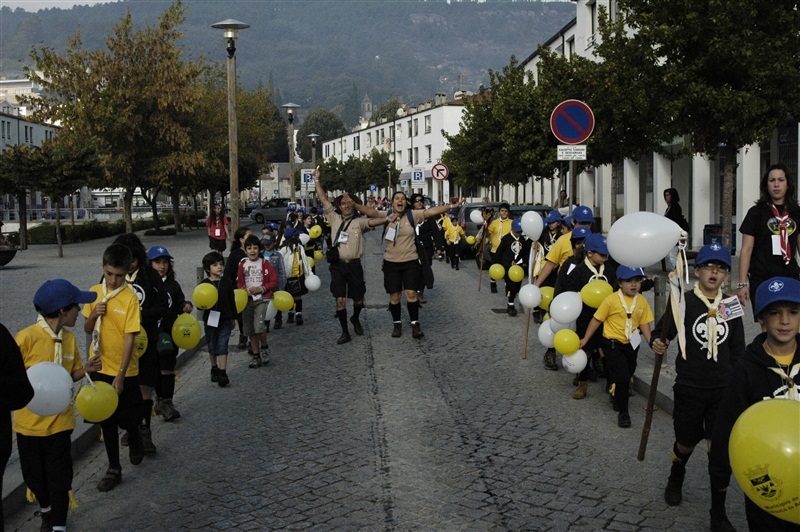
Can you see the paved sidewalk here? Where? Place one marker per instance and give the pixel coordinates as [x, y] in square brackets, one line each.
[452, 432]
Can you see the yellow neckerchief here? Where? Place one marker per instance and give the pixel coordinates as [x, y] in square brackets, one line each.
[711, 319]
[597, 274]
[535, 261]
[678, 280]
[628, 313]
[106, 298]
[57, 338]
[790, 379]
[131, 277]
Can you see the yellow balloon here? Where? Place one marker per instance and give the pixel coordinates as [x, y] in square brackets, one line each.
[98, 403]
[547, 297]
[240, 294]
[594, 292]
[516, 273]
[186, 331]
[471, 240]
[315, 231]
[318, 255]
[497, 272]
[765, 456]
[566, 342]
[205, 296]
[311, 261]
[283, 300]
[141, 343]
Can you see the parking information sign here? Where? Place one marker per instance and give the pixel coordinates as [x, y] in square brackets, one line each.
[307, 174]
[418, 175]
[373, 187]
[571, 152]
[404, 182]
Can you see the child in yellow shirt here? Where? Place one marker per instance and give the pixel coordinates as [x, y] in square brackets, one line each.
[454, 235]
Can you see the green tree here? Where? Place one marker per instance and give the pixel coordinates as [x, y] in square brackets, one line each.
[387, 110]
[325, 124]
[17, 172]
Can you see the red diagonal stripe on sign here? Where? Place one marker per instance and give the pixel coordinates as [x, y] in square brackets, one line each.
[572, 122]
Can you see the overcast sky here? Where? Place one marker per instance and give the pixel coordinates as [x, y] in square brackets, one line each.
[36, 5]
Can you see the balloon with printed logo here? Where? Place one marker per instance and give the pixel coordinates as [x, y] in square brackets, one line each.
[476, 216]
[186, 331]
[566, 307]
[546, 334]
[52, 389]
[318, 255]
[313, 283]
[576, 362]
[530, 296]
[640, 239]
[516, 273]
[240, 296]
[205, 296]
[470, 240]
[547, 297]
[556, 326]
[96, 402]
[283, 300]
[271, 311]
[315, 231]
[141, 343]
[532, 225]
[566, 342]
[765, 456]
[594, 292]
[497, 272]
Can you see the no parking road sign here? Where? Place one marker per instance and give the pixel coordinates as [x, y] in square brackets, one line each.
[572, 122]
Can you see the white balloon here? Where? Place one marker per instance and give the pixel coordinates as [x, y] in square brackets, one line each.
[532, 225]
[546, 334]
[556, 326]
[530, 296]
[566, 307]
[640, 239]
[271, 312]
[52, 388]
[476, 216]
[313, 283]
[575, 362]
[304, 238]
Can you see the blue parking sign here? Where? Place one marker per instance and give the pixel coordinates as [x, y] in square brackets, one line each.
[373, 187]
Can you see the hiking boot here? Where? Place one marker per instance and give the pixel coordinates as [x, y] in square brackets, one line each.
[47, 521]
[278, 324]
[624, 420]
[124, 440]
[265, 356]
[580, 393]
[110, 480]
[291, 318]
[214, 374]
[223, 379]
[397, 330]
[255, 362]
[550, 360]
[167, 410]
[512, 312]
[242, 342]
[344, 338]
[298, 318]
[416, 331]
[672, 493]
[135, 446]
[357, 328]
[720, 522]
[421, 298]
[147, 440]
[494, 287]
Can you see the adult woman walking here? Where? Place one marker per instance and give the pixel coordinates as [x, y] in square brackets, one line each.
[769, 234]
[425, 230]
[218, 229]
[674, 213]
[402, 271]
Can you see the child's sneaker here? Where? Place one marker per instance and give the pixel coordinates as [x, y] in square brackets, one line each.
[278, 323]
[223, 379]
[255, 362]
[291, 318]
[264, 356]
[214, 374]
[298, 318]
[242, 342]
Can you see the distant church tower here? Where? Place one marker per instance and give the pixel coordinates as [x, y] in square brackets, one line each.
[366, 107]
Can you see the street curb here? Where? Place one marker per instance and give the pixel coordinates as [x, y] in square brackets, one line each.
[84, 435]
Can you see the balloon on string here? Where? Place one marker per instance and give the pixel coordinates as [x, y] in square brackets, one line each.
[765, 453]
[52, 388]
[318, 255]
[304, 238]
[547, 297]
[497, 272]
[640, 239]
[594, 292]
[530, 296]
[205, 296]
[271, 311]
[566, 307]
[96, 404]
[566, 341]
[546, 334]
[471, 240]
[283, 300]
[576, 362]
[476, 216]
[240, 297]
[311, 262]
[186, 331]
[556, 326]
[516, 273]
[315, 231]
[313, 283]
[532, 225]
[141, 343]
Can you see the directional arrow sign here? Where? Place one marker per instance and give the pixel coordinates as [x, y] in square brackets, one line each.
[440, 171]
[572, 122]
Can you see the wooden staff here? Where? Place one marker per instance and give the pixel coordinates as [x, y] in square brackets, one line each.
[527, 326]
[482, 248]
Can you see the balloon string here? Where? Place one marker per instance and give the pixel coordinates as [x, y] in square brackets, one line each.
[91, 382]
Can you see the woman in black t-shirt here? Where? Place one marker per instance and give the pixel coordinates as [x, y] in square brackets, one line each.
[769, 234]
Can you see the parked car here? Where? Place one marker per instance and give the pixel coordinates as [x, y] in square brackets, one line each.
[273, 210]
[470, 227]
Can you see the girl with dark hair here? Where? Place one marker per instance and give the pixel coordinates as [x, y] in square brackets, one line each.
[769, 234]
[674, 213]
[219, 231]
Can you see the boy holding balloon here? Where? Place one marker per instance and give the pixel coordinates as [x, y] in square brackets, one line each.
[218, 320]
[258, 277]
[513, 251]
[762, 458]
[43, 438]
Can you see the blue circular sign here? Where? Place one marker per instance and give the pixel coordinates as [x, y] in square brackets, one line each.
[572, 122]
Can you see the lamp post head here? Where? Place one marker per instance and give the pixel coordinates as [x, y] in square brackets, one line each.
[231, 28]
[290, 107]
[313, 137]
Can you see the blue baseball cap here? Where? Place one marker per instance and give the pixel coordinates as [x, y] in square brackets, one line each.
[59, 293]
[626, 272]
[156, 252]
[583, 214]
[567, 221]
[579, 232]
[290, 232]
[776, 290]
[595, 242]
[553, 216]
[516, 225]
[290, 208]
[713, 253]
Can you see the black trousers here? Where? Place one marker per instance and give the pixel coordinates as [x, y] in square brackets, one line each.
[46, 463]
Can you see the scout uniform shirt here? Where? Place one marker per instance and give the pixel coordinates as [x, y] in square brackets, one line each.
[121, 317]
[351, 241]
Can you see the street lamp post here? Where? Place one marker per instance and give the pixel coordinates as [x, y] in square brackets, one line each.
[231, 28]
[313, 137]
[290, 107]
